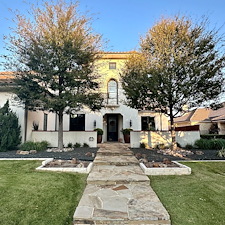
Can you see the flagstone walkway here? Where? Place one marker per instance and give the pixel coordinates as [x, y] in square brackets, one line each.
[118, 192]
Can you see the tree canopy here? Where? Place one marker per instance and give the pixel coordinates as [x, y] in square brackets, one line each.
[179, 64]
[53, 55]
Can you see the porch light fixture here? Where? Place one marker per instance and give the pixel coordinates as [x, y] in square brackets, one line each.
[130, 123]
[94, 123]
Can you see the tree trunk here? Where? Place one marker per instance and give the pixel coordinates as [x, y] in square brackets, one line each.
[172, 131]
[60, 131]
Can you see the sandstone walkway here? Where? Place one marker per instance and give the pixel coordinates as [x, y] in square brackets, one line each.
[118, 192]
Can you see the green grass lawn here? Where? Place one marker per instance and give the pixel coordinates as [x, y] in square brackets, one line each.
[28, 197]
[197, 199]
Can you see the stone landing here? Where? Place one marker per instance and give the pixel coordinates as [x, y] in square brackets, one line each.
[119, 193]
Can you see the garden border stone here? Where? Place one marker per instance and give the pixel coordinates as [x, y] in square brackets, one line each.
[63, 169]
[181, 170]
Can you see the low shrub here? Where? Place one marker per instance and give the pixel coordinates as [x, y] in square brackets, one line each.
[85, 145]
[210, 143]
[212, 136]
[77, 145]
[142, 145]
[30, 145]
[188, 146]
[70, 145]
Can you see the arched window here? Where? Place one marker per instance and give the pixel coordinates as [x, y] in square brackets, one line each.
[112, 92]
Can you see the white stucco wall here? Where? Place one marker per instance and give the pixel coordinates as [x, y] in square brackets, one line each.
[73, 137]
[15, 107]
[154, 138]
[187, 137]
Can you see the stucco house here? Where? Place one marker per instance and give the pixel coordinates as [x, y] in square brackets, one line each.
[79, 126]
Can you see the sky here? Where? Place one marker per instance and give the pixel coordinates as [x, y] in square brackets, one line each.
[123, 22]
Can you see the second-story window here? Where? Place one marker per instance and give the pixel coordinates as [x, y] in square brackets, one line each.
[112, 65]
[112, 92]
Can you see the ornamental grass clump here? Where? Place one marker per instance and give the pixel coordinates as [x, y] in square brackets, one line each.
[30, 145]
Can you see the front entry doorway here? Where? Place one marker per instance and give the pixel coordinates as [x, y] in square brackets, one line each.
[112, 128]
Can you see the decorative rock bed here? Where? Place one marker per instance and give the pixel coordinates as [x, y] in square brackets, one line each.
[174, 168]
[59, 165]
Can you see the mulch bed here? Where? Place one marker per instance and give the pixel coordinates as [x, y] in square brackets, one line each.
[87, 154]
[153, 155]
[84, 154]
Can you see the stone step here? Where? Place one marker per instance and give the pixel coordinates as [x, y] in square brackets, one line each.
[111, 174]
[120, 204]
[115, 152]
[119, 160]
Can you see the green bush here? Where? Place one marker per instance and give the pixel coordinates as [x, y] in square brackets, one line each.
[99, 131]
[210, 143]
[142, 145]
[212, 136]
[188, 146]
[9, 129]
[85, 145]
[70, 145]
[30, 145]
[77, 145]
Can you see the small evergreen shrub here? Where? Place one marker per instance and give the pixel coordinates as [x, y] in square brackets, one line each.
[9, 129]
[188, 146]
[142, 145]
[70, 145]
[30, 145]
[85, 145]
[77, 145]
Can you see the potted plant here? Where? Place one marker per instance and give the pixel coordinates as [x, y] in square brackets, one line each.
[126, 134]
[35, 125]
[99, 134]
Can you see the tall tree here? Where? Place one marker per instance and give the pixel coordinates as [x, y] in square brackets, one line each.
[53, 55]
[179, 64]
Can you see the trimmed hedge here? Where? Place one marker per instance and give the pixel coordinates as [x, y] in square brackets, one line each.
[210, 143]
[212, 136]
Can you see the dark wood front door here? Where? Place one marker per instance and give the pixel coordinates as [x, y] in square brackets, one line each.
[112, 128]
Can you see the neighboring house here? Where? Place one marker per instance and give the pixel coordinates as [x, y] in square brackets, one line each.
[78, 127]
[208, 120]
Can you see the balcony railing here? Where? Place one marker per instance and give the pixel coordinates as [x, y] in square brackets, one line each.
[110, 100]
